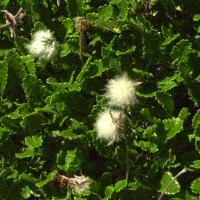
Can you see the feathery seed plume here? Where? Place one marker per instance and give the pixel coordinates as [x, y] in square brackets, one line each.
[43, 46]
[121, 91]
[108, 125]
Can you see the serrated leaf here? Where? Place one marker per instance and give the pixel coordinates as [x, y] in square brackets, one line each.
[147, 146]
[197, 143]
[50, 177]
[171, 38]
[182, 50]
[124, 9]
[106, 12]
[196, 119]
[34, 121]
[65, 49]
[108, 25]
[108, 192]
[168, 83]
[196, 17]
[166, 101]
[173, 126]
[19, 42]
[75, 7]
[33, 89]
[196, 164]
[133, 186]
[70, 160]
[68, 134]
[29, 152]
[68, 23]
[183, 114]
[34, 141]
[150, 132]
[195, 186]
[174, 187]
[120, 185]
[3, 76]
[26, 192]
[28, 177]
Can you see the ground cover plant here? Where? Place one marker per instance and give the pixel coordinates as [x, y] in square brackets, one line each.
[99, 99]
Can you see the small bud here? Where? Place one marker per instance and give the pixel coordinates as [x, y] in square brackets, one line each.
[43, 46]
[121, 91]
[82, 24]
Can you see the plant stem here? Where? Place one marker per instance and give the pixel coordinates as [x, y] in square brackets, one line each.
[181, 172]
[81, 46]
[127, 157]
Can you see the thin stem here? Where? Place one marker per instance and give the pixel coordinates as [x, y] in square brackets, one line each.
[181, 172]
[81, 46]
[127, 157]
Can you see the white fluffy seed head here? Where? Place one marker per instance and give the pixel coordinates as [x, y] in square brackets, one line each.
[43, 46]
[106, 129]
[121, 91]
[79, 183]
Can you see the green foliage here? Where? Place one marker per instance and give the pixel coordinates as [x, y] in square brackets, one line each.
[48, 110]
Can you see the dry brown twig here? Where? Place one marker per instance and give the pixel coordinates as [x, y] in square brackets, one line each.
[81, 25]
[13, 21]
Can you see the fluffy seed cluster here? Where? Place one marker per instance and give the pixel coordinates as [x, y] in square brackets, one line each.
[43, 45]
[79, 183]
[121, 91]
[108, 125]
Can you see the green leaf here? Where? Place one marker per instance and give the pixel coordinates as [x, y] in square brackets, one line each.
[133, 186]
[29, 152]
[108, 192]
[107, 25]
[120, 185]
[195, 186]
[68, 134]
[34, 121]
[106, 12]
[65, 49]
[196, 164]
[168, 83]
[166, 101]
[33, 89]
[124, 9]
[3, 76]
[19, 42]
[33, 141]
[50, 177]
[184, 113]
[174, 187]
[182, 51]
[4, 3]
[146, 145]
[76, 7]
[196, 17]
[196, 119]
[26, 192]
[173, 126]
[70, 160]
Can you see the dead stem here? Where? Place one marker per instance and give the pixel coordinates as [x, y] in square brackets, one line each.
[127, 157]
[175, 177]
